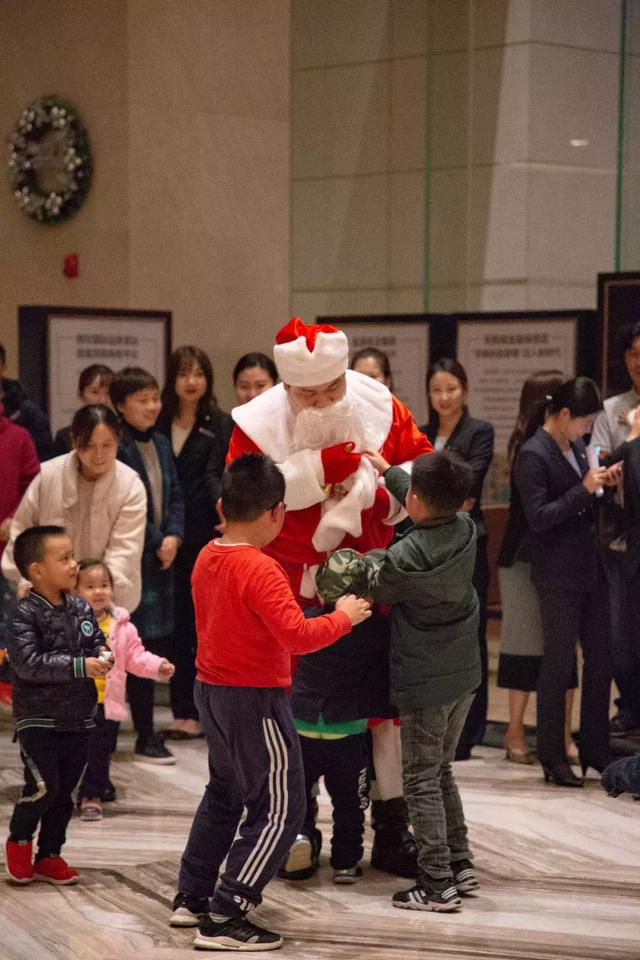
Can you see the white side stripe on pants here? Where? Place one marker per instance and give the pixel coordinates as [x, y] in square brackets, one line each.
[278, 805]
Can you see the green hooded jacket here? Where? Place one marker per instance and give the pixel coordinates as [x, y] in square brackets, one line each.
[426, 579]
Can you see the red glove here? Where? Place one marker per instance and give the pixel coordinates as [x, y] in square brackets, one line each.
[339, 462]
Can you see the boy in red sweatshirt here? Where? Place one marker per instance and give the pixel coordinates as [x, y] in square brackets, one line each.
[248, 625]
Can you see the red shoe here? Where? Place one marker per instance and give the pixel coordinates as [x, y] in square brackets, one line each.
[18, 859]
[55, 870]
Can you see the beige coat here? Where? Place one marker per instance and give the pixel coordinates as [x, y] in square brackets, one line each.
[118, 520]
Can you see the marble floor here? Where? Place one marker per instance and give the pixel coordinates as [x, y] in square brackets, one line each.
[560, 874]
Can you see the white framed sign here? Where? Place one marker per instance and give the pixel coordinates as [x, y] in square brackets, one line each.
[498, 356]
[76, 342]
[407, 347]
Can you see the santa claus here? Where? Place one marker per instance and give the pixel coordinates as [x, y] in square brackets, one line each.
[315, 425]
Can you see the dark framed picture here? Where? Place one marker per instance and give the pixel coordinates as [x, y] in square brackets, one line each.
[618, 305]
[57, 343]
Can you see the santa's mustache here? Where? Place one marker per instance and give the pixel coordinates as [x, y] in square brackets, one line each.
[319, 427]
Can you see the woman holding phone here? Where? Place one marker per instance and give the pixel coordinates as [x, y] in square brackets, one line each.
[558, 490]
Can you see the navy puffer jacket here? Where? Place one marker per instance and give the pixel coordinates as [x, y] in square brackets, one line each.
[47, 647]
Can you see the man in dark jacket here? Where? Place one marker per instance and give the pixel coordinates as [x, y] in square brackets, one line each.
[19, 409]
[54, 646]
[426, 578]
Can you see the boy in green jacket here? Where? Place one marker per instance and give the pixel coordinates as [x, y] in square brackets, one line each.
[425, 576]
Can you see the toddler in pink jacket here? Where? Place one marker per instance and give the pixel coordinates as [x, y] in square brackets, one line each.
[95, 584]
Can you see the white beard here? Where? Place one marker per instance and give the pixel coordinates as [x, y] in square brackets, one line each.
[318, 428]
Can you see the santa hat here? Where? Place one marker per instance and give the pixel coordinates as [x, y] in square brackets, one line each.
[309, 355]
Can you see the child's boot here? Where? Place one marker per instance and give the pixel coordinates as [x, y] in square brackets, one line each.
[394, 848]
[55, 870]
[18, 855]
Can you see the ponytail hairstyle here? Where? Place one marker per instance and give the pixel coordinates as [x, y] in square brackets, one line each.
[536, 391]
[580, 396]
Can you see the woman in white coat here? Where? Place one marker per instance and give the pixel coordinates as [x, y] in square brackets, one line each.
[101, 503]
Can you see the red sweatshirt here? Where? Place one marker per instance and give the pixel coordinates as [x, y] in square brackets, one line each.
[19, 464]
[248, 621]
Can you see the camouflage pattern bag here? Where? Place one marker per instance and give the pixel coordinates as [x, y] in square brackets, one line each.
[346, 571]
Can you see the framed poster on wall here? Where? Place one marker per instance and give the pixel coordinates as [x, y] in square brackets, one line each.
[57, 343]
[405, 340]
[498, 355]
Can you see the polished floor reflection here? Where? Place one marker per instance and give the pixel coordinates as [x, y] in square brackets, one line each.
[560, 873]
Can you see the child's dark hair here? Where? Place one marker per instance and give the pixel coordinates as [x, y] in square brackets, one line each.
[31, 544]
[97, 371]
[86, 419]
[90, 563]
[249, 360]
[129, 381]
[251, 485]
[443, 480]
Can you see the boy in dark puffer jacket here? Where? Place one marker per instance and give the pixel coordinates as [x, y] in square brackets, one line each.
[54, 646]
[426, 578]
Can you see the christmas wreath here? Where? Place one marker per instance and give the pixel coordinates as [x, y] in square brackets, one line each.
[49, 160]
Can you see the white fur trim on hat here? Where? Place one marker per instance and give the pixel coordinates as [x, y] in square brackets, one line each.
[300, 367]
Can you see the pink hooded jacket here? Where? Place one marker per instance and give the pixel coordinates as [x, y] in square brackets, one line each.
[129, 657]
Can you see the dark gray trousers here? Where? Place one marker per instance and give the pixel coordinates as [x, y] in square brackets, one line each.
[429, 740]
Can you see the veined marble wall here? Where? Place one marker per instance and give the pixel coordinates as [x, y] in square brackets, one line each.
[187, 105]
[493, 122]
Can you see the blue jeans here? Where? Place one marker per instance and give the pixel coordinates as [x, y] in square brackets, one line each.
[429, 740]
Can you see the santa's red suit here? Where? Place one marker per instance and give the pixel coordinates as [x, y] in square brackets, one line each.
[317, 520]
[335, 499]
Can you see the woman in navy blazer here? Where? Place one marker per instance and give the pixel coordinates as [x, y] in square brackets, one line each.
[558, 493]
[452, 427]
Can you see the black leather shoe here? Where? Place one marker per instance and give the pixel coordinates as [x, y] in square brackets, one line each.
[562, 775]
[624, 724]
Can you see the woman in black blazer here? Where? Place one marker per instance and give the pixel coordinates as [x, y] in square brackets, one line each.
[199, 434]
[558, 493]
[451, 427]
[521, 638]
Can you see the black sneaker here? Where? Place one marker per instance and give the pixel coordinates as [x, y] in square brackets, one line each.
[438, 895]
[109, 795]
[188, 912]
[302, 859]
[235, 934]
[153, 751]
[464, 878]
